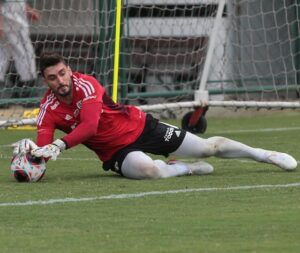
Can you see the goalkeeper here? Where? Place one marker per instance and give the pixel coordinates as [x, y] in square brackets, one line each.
[120, 135]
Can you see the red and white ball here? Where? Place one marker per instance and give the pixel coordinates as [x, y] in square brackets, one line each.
[27, 168]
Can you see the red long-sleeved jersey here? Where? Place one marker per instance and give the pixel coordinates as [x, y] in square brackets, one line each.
[92, 119]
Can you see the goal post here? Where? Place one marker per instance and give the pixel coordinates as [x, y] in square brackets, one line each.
[172, 53]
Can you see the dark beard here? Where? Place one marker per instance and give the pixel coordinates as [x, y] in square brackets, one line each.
[67, 93]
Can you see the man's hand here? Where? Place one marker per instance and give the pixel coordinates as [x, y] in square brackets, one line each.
[50, 151]
[23, 146]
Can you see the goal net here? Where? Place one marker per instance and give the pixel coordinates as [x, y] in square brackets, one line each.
[172, 53]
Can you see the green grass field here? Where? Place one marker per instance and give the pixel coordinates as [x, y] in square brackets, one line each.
[243, 207]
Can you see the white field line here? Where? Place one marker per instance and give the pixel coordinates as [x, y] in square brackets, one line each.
[145, 194]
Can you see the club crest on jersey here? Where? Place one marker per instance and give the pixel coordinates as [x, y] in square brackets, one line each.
[76, 112]
[169, 134]
[79, 104]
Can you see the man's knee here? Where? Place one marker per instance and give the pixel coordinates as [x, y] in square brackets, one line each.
[138, 165]
[214, 145]
[149, 171]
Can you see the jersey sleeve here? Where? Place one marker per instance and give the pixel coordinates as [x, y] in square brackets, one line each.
[45, 128]
[90, 113]
[88, 126]
[92, 91]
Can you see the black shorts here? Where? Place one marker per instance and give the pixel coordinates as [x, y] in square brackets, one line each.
[157, 138]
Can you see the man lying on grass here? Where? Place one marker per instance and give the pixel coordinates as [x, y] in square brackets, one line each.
[122, 135]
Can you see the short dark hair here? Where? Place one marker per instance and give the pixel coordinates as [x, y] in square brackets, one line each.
[48, 59]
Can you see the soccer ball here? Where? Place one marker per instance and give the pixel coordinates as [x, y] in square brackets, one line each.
[27, 168]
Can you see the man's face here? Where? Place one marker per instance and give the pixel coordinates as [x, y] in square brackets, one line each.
[58, 79]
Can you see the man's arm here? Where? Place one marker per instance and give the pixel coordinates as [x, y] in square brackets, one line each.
[88, 126]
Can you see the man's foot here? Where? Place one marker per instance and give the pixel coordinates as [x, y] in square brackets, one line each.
[197, 168]
[200, 168]
[282, 160]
